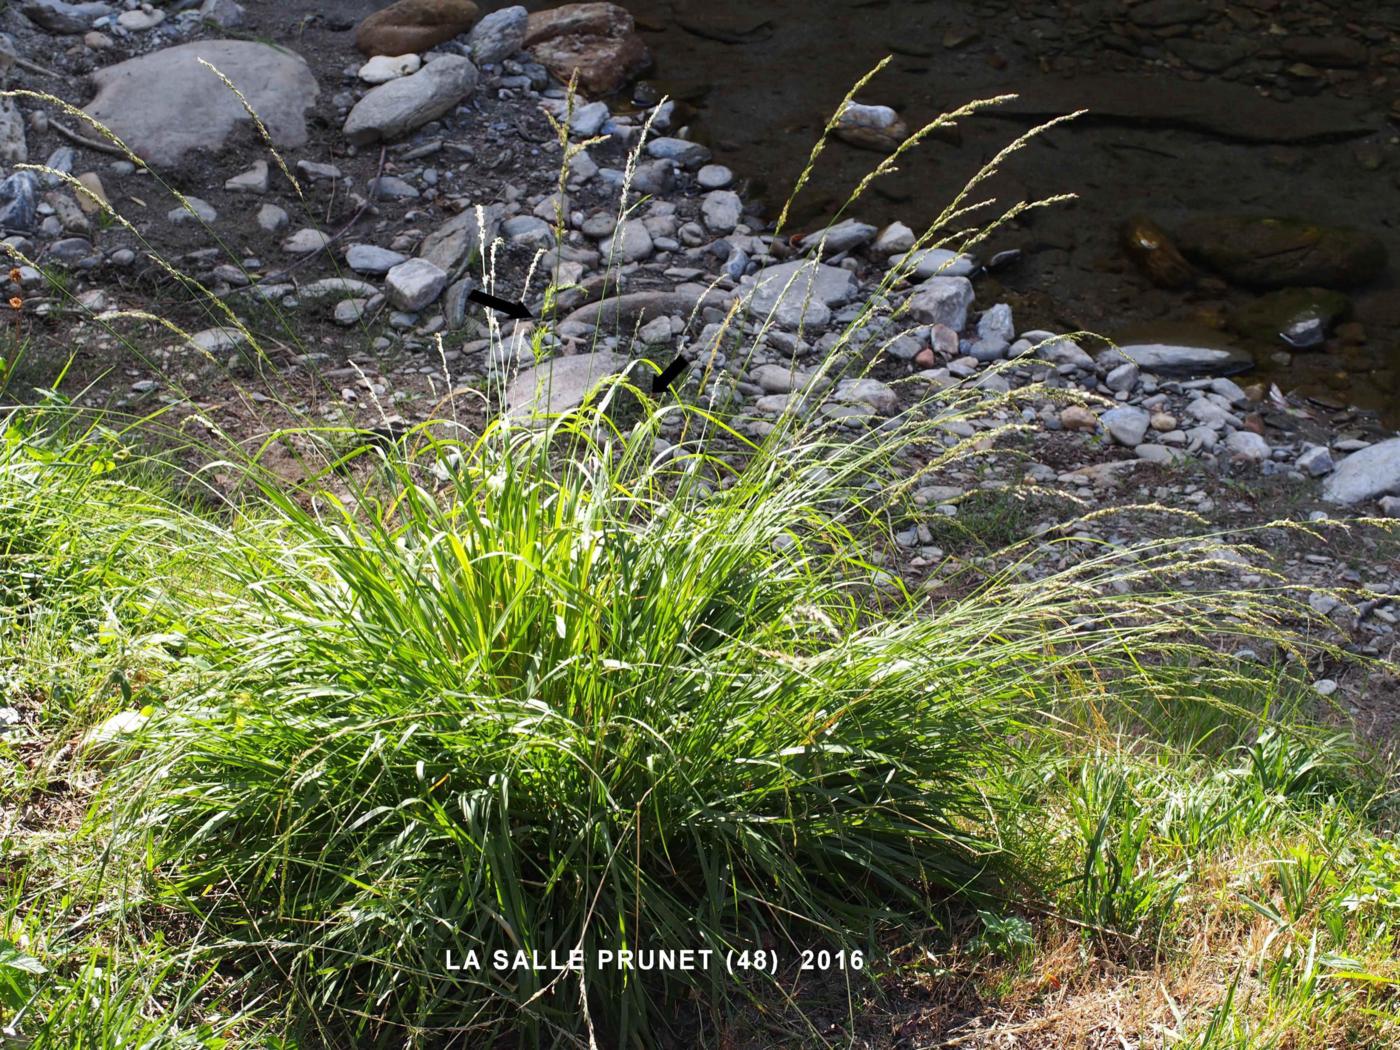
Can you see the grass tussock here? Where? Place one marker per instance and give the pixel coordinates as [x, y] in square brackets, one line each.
[636, 678]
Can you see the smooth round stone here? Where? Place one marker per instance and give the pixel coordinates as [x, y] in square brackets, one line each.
[714, 177]
[383, 68]
[305, 241]
[369, 258]
[349, 311]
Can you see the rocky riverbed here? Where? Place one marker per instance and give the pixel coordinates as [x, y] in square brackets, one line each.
[1199, 113]
[420, 138]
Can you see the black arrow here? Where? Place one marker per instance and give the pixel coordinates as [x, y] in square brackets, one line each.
[517, 310]
[666, 378]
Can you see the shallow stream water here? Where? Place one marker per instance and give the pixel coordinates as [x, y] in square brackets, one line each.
[1258, 107]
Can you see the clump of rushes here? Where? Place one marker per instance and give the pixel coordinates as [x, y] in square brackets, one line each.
[551, 691]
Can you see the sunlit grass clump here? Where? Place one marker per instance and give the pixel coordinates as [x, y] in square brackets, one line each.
[545, 692]
[636, 679]
[553, 690]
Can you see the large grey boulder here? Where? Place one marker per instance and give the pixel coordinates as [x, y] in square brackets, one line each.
[942, 300]
[934, 262]
[1127, 424]
[370, 258]
[560, 384]
[844, 236]
[498, 35]
[462, 237]
[414, 284]
[1365, 475]
[1172, 360]
[394, 109]
[792, 284]
[165, 104]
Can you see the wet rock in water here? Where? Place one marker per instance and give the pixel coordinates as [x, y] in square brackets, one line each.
[942, 300]
[935, 262]
[1166, 359]
[1364, 475]
[1278, 253]
[1299, 317]
[165, 104]
[19, 202]
[498, 36]
[559, 385]
[1152, 251]
[383, 68]
[871, 127]
[1214, 105]
[682, 151]
[57, 16]
[1333, 51]
[727, 27]
[394, 109]
[598, 41]
[414, 25]
[1209, 56]
[844, 236]
[1305, 333]
[414, 284]
[1158, 14]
